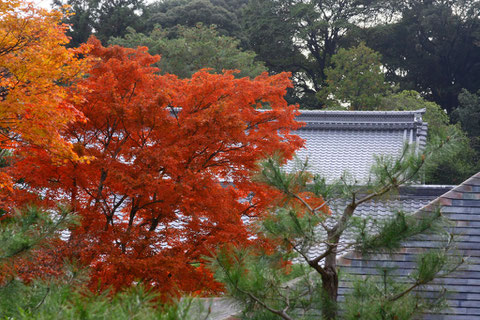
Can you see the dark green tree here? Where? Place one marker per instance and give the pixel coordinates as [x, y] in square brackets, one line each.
[224, 14]
[82, 20]
[453, 167]
[194, 49]
[468, 115]
[103, 18]
[433, 48]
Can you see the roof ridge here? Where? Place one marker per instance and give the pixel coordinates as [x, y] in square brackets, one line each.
[372, 112]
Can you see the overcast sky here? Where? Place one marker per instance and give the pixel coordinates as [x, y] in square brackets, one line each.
[46, 3]
[43, 3]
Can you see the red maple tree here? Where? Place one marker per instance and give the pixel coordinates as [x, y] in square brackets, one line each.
[170, 169]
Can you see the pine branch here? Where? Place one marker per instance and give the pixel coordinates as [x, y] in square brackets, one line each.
[281, 313]
[49, 232]
[313, 263]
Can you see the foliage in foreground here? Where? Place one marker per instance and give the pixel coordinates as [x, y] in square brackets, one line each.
[24, 236]
[28, 240]
[378, 297]
[313, 214]
[57, 300]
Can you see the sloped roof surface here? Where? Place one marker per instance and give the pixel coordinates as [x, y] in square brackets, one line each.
[462, 206]
[338, 141]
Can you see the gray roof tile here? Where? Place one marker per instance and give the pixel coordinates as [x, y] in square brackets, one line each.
[462, 206]
[339, 141]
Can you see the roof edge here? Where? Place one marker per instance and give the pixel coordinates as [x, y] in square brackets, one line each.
[445, 198]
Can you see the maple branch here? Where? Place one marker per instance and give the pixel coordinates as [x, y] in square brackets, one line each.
[133, 92]
[174, 112]
[103, 177]
[252, 125]
[118, 204]
[143, 206]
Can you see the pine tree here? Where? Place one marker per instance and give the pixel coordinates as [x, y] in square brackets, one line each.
[304, 216]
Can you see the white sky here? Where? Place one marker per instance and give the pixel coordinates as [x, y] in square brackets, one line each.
[47, 3]
[43, 3]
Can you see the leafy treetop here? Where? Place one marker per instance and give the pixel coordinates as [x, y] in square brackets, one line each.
[355, 80]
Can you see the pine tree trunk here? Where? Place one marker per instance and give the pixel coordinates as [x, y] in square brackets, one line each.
[330, 288]
[330, 273]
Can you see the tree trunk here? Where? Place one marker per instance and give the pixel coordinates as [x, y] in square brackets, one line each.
[330, 274]
[330, 288]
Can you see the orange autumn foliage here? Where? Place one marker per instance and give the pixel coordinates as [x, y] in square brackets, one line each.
[169, 175]
[35, 67]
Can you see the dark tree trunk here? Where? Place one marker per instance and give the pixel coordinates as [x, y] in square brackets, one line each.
[330, 287]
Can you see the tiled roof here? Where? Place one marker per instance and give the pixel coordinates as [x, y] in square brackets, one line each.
[462, 206]
[338, 141]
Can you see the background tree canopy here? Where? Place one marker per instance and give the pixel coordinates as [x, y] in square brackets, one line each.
[194, 49]
[223, 14]
[427, 46]
[433, 48]
[303, 36]
[453, 167]
[468, 115]
[104, 18]
[354, 80]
